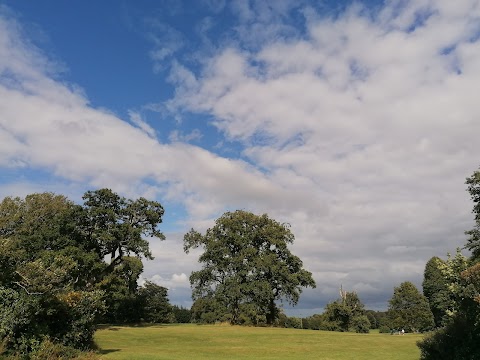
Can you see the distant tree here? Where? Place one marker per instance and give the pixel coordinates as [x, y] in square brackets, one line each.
[409, 309]
[347, 314]
[182, 315]
[376, 318]
[315, 322]
[247, 266]
[435, 289]
[154, 303]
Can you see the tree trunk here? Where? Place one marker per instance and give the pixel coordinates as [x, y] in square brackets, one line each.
[272, 312]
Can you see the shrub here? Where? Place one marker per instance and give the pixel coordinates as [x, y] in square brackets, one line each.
[361, 324]
[459, 340]
[384, 329]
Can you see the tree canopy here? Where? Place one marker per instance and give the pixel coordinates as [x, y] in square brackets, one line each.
[247, 267]
[347, 314]
[409, 310]
[54, 280]
[436, 290]
[473, 241]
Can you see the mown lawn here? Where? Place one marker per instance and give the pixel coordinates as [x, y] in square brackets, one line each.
[194, 342]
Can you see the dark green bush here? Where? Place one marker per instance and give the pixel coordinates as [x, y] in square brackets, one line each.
[384, 329]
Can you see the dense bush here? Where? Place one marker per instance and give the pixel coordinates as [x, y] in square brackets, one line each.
[182, 315]
[26, 319]
[459, 340]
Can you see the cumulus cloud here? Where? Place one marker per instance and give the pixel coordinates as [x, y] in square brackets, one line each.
[49, 125]
[374, 115]
[358, 131]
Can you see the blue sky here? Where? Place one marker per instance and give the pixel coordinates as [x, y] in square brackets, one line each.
[355, 122]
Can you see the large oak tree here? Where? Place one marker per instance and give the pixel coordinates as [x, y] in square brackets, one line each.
[247, 267]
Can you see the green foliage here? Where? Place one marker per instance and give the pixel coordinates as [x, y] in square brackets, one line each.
[376, 318]
[114, 225]
[154, 305]
[49, 350]
[246, 267]
[360, 324]
[26, 319]
[473, 241]
[54, 282]
[409, 309]
[384, 329]
[460, 338]
[294, 323]
[346, 314]
[315, 322]
[436, 290]
[208, 310]
[120, 287]
[182, 315]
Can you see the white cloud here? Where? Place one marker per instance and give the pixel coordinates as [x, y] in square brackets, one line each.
[167, 41]
[137, 120]
[359, 134]
[374, 116]
[177, 135]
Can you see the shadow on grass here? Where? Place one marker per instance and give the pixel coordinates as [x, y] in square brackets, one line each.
[107, 351]
[117, 327]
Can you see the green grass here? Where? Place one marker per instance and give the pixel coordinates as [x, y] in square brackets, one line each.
[194, 342]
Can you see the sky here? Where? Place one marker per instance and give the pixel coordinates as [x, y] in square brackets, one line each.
[354, 122]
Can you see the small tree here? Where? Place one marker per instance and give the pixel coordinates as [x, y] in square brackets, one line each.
[154, 304]
[409, 309]
[347, 314]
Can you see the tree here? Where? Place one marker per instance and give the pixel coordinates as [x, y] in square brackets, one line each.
[376, 318]
[182, 315]
[247, 266]
[347, 314]
[435, 289]
[409, 309]
[460, 338]
[121, 292]
[154, 304]
[115, 226]
[54, 281]
[473, 241]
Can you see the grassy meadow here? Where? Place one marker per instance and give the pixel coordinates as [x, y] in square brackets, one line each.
[234, 342]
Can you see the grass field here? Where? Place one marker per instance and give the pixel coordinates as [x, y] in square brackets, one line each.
[194, 342]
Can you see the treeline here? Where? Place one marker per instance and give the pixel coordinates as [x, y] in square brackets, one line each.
[376, 320]
[408, 310]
